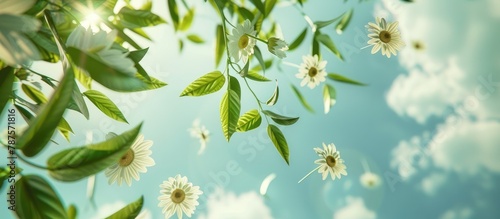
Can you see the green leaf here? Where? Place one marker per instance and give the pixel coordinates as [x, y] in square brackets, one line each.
[321, 24]
[41, 129]
[206, 84]
[302, 99]
[343, 79]
[220, 46]
[131, 18]
[326, 41]
[258, 55]
[72, 212]
[64, 128]
[195, 38]
[296, 43]
[245, 13]
[27, 116]
[282, 120]
[269, 5]
[267, 64]
[346, 18]
[79, 162]
[315, 46]
[279, 141]
[259, 5]
[244, 71]
[130, 211]
[275, 96]
[34, 94]
[187, 20]
[6, 84]
[103, 103]
[229, 113]
[77, 103]
[137, 55]
[104, 74]
[151, 83]
[248, 121]
[329, 97]
[174, 14]
[35, 198]
[253, 75]
[234, 85]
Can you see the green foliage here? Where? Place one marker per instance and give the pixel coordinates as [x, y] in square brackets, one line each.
[35, 198]
[282, 120]
[229, 113]
[296, 43]
[248, 121]
[343, 79]
[206, 84]
[195, 38]
[346, 18]
[6, 82]
[103, 103]
[326, 41]
[130, 211]
[72, 212]
[279, 142]
[274, 97]
[174, 14]
[220, 46]
[131, 18]
[303, 101]
[329, 97]
[77, 163]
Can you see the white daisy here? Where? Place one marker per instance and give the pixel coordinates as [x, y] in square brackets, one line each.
[386, 36]
[135, 160]
[15, 47]
[200, 132]
[178, 195]
[240, 44]
[370, 180]
[277, 47]
[100, 43]
[312, 71]
[329, 162]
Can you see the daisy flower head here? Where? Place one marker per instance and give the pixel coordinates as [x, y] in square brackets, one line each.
[100, 44]
[312, 71]
[384, 36]
[178, 196]
[370, 180]
[135, 160]
[200, 132]
[240, 44]
[277, 47]
[330, 162]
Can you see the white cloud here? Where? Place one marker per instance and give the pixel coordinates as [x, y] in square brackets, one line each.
[409, 156]
[355, 209]
[430, 184]
[463, 213]
[226, 205]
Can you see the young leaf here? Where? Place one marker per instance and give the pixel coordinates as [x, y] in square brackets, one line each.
[245, 13]
[174, 14]
[130, 211]
[326, 41]
[206, 84]
[275, 96]
[248, 121]
[258, 55]
[234, 85]
[64, 128]
[195, 38]
[303, 101]
[220, 46]
[253, 75]
[151, 83]
[244, 71]
[104, 74]
[344, 22]
[6, 83]
[229, 113]
[343, 79]
[137, 55]
[279, 141]
[187, 20]
[131, 18]
[321, 24]
[259, 5]
[329, 97]
[49, 116]
[79, 162]
[315, 46]
[35, 198]
[34, 94]
[77, 103]
[103, 103]
[296, 43]
[282, 120]
[72, 212]
[269, 5]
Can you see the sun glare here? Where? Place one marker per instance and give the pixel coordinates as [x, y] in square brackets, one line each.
[92, 19]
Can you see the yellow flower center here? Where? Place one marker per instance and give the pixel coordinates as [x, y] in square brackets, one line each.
[385, 36]
[312, 72]
[243, 42]
[330, 161]
[127, 158]
[178, 196]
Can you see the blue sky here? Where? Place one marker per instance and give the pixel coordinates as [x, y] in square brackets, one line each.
[427, 124]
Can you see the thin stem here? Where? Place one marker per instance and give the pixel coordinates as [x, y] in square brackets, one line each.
[307, 18]
[259, 39]
[32, 164]
[256, 98]
[312, 171]
[225, 18]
